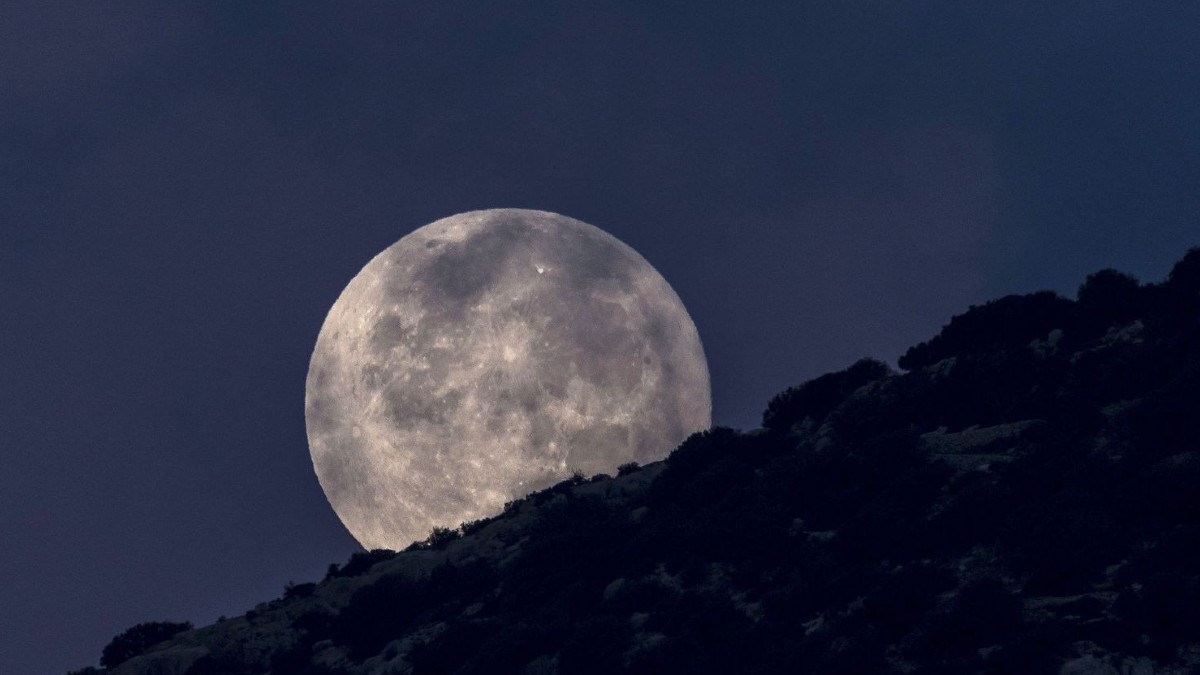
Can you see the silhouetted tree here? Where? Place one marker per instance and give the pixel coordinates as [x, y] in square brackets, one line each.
[1108, 288]
[470, 527]
[1010, 322]
[1185, 275]
[136, 640]
[295, 590]
[817, 398]
[377, 613]
[627, 468]
[332, 571]
[440, 536]
[360, 562]
[1106, 298]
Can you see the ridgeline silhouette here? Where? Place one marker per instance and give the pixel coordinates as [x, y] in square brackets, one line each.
[1023, 498]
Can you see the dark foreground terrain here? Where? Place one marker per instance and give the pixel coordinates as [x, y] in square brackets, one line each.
[1023, 497]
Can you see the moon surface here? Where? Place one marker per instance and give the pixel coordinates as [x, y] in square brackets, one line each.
[490, 354]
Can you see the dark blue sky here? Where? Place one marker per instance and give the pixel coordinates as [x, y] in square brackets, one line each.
[184, 191]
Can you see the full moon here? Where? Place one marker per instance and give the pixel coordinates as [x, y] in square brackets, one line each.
[490, 354]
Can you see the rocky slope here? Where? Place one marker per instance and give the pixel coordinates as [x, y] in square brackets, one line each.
[1024, 496]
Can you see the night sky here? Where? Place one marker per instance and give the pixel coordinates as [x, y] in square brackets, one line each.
[184, 192]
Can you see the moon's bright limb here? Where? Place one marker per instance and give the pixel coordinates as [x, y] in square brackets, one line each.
[490, 354]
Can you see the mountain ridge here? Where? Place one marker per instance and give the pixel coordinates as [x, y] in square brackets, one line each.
[1020, 497]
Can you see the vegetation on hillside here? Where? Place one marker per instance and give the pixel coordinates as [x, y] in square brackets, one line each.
[1024, 494]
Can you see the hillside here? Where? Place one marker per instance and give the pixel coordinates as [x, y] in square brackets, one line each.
[1023, 497]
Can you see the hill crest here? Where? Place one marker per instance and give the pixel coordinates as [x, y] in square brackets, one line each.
[1020, 498]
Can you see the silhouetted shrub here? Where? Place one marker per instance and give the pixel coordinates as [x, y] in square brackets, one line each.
[440, 536]
[592, 530]
[514, 505]
[704, 455]
[1175, 303]
[1106, 287]
[1107, 298]
[1010, 322]
[974, 390]
[295, 590]
[360, 562]
[703, 446]
[378, 613]
[89, 670]
[1185, 275]
[627, 468]
[136, 640]
[817, 398]
[563, 487]
[472, 526]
